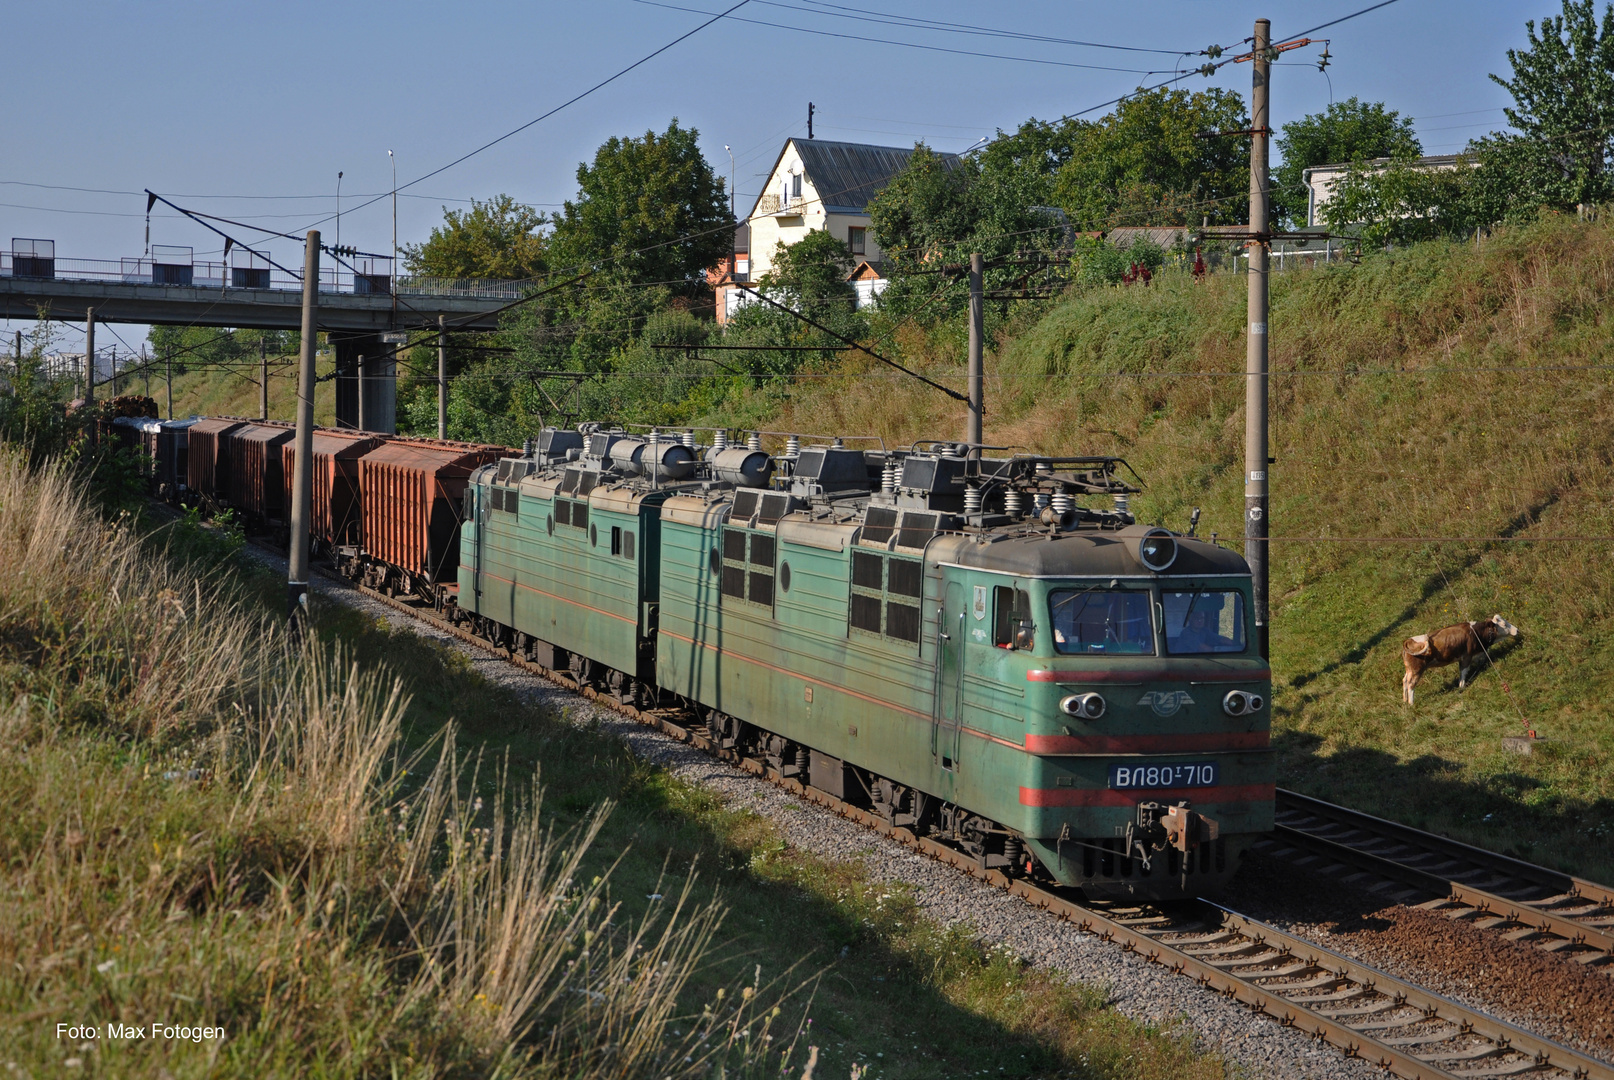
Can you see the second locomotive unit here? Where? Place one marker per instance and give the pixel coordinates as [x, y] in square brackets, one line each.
[955, 642]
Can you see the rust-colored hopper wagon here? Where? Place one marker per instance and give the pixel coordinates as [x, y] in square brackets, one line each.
[254, 481]
[207, 469]
[336, 510]
[412, 492]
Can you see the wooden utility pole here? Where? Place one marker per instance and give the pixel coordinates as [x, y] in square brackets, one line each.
[442, 377]
[170, 361]
[263, 379]
[972, 429]
[302, 489]
[1257, 520]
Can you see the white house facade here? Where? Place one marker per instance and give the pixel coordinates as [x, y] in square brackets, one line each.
[1321, 180]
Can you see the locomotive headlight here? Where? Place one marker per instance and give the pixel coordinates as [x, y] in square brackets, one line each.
[1083, 706]
[1239, 703]
[1157, 550]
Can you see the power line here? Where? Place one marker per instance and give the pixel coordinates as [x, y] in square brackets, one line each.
[903, 44]
[1336, 22]
[565, 104]
[966, 28]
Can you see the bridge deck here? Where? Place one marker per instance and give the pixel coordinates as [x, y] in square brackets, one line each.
[268, 309]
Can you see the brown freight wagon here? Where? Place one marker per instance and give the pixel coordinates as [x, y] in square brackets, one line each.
[208, 472]
[412, 490]
[253, 479]
[336, 517]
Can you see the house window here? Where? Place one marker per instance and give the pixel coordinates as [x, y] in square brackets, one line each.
[886, 590]
[854, 239]
[795, 186]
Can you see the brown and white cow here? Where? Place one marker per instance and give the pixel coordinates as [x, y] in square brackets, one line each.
[1462, 644]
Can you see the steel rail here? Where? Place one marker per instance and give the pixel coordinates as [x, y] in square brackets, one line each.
[1235, 941]
[1584, 934]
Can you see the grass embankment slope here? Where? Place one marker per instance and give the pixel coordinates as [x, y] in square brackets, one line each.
[339, 857]
[1381, 427]
[208, 392]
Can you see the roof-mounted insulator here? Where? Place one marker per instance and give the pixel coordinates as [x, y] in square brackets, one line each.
[793, 446]
[753, 441]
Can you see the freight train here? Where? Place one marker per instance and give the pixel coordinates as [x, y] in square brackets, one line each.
[988, 650]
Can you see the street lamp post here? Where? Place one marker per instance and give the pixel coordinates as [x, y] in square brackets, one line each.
[394, 223]
[334, 263]
[731, 179]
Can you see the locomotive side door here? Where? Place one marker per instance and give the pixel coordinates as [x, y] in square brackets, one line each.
[948, 702]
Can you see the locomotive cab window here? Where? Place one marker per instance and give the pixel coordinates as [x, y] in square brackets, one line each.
[1012, 624]
[886, 590]
[1204, 621]
[1102, 621]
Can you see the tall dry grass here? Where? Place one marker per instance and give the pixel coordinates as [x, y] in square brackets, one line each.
[202, 824]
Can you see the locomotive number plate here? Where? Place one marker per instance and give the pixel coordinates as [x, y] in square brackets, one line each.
[1196, 774]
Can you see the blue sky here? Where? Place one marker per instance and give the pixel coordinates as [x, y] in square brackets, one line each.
[249, 111]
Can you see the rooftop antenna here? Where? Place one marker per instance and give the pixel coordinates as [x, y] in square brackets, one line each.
[809, 119]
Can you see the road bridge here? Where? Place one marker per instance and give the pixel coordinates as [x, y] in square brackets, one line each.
[171, 288]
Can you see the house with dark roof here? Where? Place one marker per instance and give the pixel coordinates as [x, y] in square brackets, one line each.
[816, 185]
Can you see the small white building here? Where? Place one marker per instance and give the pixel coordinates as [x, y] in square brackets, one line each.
[1321, 180]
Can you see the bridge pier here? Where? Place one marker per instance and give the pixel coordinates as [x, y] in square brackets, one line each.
[380, 382]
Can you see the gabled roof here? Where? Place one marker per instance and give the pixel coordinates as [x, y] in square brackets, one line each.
[847, 175]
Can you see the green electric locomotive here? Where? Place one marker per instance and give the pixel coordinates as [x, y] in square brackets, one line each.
[952, 641]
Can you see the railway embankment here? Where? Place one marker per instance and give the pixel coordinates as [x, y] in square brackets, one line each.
[1443, 435]
[365, 858]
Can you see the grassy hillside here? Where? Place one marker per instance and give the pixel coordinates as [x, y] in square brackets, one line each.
[207, 392]
[1398, 410]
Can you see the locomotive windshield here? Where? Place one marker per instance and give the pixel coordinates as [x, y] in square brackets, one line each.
[1107, 621]
[1204, 621]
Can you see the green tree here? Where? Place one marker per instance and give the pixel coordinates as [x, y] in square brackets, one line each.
[498, 239]
[1144, 164]
[1401, 203]
[651, 207]
[1351, 130]
[812, 273]
[1563, 108]
[923, 208]
[207, 346]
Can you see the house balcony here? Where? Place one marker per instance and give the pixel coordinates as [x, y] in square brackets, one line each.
[773, 205]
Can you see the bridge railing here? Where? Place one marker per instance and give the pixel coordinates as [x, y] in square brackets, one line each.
[216, 274]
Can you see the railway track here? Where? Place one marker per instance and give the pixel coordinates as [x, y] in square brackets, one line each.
[1365, 1013]
[1558, 913]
